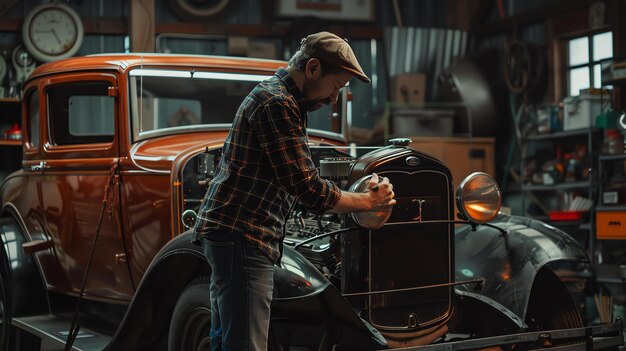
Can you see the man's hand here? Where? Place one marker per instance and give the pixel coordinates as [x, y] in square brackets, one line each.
[380, 192]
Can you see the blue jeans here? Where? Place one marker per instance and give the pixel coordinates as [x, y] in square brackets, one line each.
[241, 287]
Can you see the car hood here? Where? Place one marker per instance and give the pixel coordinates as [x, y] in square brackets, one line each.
[158, 153]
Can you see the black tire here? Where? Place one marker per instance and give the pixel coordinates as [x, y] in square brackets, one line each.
[5, 317]
[11, 338]
[191, 320]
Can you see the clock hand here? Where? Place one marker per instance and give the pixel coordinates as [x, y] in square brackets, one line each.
[56, 36]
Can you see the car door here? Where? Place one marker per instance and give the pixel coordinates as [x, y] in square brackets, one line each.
[81, 150]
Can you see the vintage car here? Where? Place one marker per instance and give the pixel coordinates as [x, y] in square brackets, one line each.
[118, 151]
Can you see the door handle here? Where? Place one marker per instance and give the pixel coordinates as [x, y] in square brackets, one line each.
[38, 167]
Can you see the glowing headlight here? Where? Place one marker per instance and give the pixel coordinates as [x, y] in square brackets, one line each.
[478, 197]
[371, 219]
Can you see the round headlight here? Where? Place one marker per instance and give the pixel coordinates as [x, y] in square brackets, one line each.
[478, 197]
[370, 219]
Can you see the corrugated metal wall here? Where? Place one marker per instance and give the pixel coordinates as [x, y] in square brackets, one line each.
[423, 50]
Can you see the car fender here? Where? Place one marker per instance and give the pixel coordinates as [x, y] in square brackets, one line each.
[510, 260]
[179, 262]
[302, 294]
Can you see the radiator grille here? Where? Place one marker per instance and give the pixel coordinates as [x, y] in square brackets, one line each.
[405, 255]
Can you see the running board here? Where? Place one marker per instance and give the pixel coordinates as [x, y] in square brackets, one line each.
[54, 330]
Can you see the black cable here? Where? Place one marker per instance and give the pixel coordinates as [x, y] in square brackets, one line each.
[75, 326]
[317, 237]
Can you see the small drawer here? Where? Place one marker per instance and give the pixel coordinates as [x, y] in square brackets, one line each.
[611, 225]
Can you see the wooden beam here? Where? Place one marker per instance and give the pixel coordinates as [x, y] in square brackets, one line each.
[261, 30]
[105, 26]
[614, 11]
[480, 13]
[252, 30]
[544, 13]
[142, 26]
[10, 25]
[91, 25]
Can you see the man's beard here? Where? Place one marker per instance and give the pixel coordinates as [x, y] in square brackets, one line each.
[315, 104]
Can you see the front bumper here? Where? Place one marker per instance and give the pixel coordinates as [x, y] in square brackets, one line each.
[601, 337]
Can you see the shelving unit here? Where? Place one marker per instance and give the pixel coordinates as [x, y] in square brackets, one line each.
[611, 206]
[610, 230]
[548, 197]
[9, 142]
[560, 186]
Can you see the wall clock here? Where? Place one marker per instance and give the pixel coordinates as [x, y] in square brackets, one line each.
[23, 63]
[52, 31]
[197, 9]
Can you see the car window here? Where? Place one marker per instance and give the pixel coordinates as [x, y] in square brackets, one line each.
[165, 101]
[33, 118]
[81, 113]
[176, 101]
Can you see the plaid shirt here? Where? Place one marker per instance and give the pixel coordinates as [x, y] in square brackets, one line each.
[265, 165]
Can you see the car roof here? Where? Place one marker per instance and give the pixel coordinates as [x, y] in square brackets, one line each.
[123, 62]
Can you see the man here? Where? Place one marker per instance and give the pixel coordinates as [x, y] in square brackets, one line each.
[266, 166]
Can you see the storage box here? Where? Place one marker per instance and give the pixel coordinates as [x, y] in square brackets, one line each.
[422, 122]
[461, 154]
[611, 225]
[407, 87]
[566, 215]
[581, 111]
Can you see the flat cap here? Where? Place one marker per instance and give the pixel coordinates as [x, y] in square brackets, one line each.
[333, 50]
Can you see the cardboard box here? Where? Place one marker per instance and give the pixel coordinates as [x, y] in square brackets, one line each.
[407, 87]
[462, 155]
[262, 50]
[422, 122]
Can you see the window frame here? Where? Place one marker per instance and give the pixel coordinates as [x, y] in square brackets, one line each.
[28, 137]
[100, 149]
[589, 34]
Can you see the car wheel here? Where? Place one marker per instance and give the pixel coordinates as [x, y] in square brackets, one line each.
[5, 326]
[191, 320]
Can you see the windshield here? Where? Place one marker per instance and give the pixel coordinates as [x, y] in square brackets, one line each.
[174, 101]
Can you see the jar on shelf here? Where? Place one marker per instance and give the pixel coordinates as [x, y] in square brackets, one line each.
[15, 133]
[613, 143]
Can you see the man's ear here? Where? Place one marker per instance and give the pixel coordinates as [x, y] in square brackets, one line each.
[313, 69]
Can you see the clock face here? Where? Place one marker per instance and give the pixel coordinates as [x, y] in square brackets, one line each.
[52, 31]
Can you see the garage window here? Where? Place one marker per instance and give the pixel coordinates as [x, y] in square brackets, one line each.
[584, 56]
[81, 113]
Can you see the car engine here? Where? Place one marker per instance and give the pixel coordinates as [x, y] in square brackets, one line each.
[302, 225]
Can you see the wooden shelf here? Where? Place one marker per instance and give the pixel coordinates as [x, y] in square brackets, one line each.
[609, 208]
[560, 186]
[607, 157]
[9, 142]
[563, 134]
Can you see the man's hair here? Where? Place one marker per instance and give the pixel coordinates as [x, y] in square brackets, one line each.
[300, 59]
